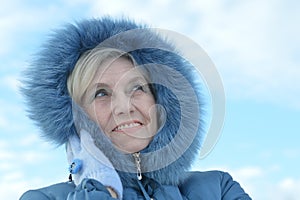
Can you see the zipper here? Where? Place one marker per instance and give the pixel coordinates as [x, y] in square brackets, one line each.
[137, 160]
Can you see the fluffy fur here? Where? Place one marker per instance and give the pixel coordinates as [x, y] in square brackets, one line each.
[178, 93]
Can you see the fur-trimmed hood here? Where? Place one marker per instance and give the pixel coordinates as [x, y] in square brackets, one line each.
[178, 94]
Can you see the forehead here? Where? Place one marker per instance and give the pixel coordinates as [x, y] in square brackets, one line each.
[115, 66]
[116, 70]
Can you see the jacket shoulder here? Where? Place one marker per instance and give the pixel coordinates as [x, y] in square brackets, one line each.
[58, 191]
[212, 185]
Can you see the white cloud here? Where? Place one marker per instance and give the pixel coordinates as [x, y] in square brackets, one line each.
[29, 140]
[253, 43]
[10, 113]
[249, 172]
[12, 176]
[3, 122]
[23, 167]
[292, 153]
[258, 183]
[5, 155]
[10, 82]
[14, 184]
[33, 157]
[288, 188]
[3, 144]
[22, 23]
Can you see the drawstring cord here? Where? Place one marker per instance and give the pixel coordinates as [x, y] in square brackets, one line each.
[146, 195]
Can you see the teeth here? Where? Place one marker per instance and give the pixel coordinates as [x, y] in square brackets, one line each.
[124, 126]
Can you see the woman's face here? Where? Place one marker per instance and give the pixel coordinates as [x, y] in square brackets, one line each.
[120, 101]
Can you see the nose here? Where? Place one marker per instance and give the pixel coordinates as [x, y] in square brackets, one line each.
[122, 104]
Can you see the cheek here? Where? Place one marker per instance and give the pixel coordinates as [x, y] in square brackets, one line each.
[147, 107]
[99, 113]
[102, 118]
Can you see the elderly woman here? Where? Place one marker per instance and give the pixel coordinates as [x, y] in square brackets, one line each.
[130, 111]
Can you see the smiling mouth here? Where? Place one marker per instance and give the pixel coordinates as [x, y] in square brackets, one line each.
[127, 126]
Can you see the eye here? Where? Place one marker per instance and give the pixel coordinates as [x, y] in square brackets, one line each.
[101, 93]
[141, 88]
[138, 87]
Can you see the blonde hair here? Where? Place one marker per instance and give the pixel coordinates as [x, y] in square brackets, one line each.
[86, 69]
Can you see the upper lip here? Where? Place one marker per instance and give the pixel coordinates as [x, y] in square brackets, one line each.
[127, 123]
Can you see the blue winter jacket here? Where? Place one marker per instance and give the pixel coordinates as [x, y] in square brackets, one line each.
[175, 84]
[211, 185]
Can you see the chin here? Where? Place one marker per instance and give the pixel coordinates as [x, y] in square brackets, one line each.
[131, 145]
[132, 149]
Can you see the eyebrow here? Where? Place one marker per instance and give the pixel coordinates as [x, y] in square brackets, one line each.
[100, 85]
[105, 85]
[138, 78]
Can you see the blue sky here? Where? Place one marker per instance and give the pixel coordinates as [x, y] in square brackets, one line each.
[255, 46]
